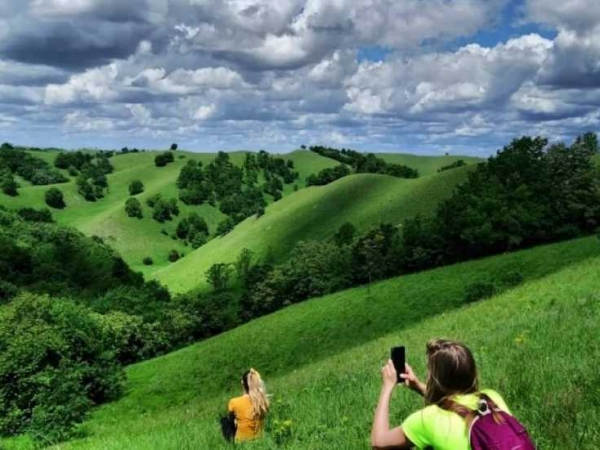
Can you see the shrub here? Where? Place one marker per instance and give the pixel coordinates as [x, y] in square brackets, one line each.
[173, 256]
[133, 208]
[54, 198]
[9, 186]
[54, 364]
[136, 187]
[148, 261]
[480, 290]
[34, 215]
[163, 159]
[225, 226]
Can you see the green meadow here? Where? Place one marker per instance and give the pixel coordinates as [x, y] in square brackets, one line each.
[536, 343]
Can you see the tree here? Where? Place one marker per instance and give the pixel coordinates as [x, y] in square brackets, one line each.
[55, 364]
[136, 187]
[163, 159]
[173, 147]
[174, 256]
[54, 198]
[225, 226]
[9, 186]
[33, 215]
[218, 276]
[344, 235]
[148, 261]
[243, 265]
[133, 208]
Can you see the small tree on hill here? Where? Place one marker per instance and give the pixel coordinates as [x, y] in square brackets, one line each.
[55, 199]
[225, 226]
[174, 147]
[136, 187]
[9, 186]
[218, 276]
[174, 256]
[133, 208]
[344, 235]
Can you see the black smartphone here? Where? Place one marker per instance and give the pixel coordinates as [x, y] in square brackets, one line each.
[399, 360]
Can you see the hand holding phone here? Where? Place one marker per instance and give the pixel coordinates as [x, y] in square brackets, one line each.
[399, 360]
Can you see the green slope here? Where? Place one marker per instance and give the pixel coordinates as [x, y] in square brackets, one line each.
[426, 165]
[316, 213]
[133, 238]
[537, 344]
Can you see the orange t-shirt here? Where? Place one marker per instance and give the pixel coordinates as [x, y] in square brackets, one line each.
[248, 427]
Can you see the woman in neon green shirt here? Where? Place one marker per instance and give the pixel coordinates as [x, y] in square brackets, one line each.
[452, 387]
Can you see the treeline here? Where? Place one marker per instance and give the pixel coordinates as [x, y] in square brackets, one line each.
[528, 194]
[72, 313]
[237, 191]
[15, 161]
[454, 165]
[355, 162]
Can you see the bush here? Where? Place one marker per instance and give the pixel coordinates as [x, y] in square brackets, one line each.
[136, 187]
[34, 215]
[133, 208]
[9, 186]
[480, 290]
[163, 159]
[148, 261]
[55, 365]
[225, 226]
[173, 256]
[54, 198]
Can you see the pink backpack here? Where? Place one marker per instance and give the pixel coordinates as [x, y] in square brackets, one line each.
[493, 429]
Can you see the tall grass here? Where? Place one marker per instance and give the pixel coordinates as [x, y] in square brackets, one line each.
[537, 344]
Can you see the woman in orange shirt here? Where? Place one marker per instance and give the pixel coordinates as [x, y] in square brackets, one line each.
[251, 408]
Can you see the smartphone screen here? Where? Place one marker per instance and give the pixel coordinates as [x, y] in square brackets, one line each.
[399, 360]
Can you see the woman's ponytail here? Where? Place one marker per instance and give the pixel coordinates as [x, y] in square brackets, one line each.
[258, 394]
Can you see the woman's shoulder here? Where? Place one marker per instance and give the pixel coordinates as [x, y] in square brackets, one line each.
[237, 401]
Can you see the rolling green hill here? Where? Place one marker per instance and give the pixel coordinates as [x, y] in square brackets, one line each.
[134, 238]
[316, 214]
[426, 165]
[537, 344]
[364, 200]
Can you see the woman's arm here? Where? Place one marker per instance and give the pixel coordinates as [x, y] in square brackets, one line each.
[382, 437]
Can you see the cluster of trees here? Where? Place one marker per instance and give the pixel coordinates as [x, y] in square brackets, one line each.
[72, 313]
[90, 169]
[163, 209]
[16, 161]
[454, 165]
[163, 159]
[328, 175]
[365, 163]
[193, 230]
[236, 191]
[528, 194]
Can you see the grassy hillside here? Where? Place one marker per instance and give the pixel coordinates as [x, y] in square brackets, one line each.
[426, 165]
[316, 213]
[133, 238]
[537, 344]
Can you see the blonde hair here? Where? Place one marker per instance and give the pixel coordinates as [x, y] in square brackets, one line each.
[255, 388]
[452, 371]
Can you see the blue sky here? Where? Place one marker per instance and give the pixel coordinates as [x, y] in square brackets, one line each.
[419, 76]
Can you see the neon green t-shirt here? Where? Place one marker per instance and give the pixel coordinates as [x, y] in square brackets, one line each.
[435, 427]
